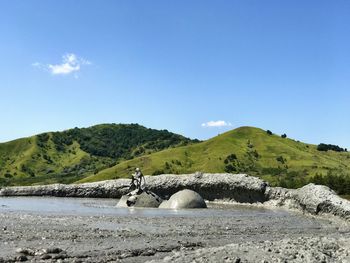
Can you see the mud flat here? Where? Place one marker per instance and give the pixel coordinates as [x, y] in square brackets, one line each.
[50, 229]
[241, 188]
[246, 221]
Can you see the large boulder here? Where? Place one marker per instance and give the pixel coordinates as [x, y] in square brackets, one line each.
[144, 199]
[311, 198]
[317, 199]
[184, 199]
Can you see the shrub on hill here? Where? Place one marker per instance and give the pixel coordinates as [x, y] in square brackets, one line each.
[61, 139]
[158, 172]
[230, 158]
[292, 179]
[231, 163]
[280, 159]
[42, 139]
[326, 147]
[339, 182]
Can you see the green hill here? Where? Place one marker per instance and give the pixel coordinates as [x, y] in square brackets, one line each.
[77, 153]
[281, 161]
[111, 151]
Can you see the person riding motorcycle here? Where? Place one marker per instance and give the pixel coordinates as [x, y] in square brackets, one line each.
[136, 180]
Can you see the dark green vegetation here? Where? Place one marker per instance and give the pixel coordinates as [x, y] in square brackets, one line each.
[74, 154]
[330, 147]
[337, 181]
[113, 151]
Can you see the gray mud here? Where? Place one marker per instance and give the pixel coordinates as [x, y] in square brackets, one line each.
[241, 188]
[94, 230]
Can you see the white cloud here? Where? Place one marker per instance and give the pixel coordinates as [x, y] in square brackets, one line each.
[71, 63]
[216, 124]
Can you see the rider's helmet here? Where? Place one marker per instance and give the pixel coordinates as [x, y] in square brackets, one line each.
[137, 169]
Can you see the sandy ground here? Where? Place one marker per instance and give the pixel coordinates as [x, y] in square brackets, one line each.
[93, 230]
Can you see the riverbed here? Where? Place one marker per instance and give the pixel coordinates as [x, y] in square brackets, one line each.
[94, 230]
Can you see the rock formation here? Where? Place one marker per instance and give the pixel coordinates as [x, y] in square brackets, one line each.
[184, 199]
[239, 187]
[314, 199]
[311, 198]
[143, 199]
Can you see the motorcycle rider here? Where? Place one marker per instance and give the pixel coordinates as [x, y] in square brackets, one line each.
[136, 180]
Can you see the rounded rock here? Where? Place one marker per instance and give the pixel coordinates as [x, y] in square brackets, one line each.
[21, 258]
[184, 199]
[45, 256]
[52, 250]
[145, 199]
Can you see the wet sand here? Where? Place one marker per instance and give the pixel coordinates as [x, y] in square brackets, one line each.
[94, 230]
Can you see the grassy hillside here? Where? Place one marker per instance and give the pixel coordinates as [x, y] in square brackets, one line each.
[111, 151]
[77, 153]
[281, 161]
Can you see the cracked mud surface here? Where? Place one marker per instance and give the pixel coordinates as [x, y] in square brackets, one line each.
[93, 230]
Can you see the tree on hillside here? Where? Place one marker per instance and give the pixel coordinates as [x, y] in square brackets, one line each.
[269, 132]
[334, 179]
[280, 159]
[284, 135]
[330, 147]
[231, 163]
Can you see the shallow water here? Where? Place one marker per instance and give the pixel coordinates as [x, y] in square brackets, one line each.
[103, 232]
[100, 206]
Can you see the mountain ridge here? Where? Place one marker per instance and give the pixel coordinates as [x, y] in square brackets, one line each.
[72, 154]
[281, 161]
[110, 151]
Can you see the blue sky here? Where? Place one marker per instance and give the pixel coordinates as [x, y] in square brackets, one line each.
[176, 65]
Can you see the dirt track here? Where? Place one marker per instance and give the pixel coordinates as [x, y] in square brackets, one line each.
[92, 230]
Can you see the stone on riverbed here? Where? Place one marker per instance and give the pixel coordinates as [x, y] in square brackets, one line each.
[143, 199]
[311, 198]
[184, 199]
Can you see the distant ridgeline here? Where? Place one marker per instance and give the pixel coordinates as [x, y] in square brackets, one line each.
[112, 151]
[117, 141]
